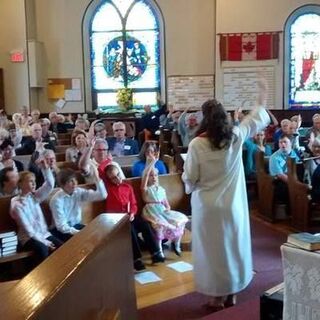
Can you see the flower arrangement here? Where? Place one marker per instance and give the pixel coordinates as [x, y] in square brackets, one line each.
[124, 98]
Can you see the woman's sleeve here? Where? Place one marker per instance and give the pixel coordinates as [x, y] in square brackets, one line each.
[257, 120]
[191, 168]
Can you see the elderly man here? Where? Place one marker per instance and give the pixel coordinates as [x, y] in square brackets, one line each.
[284, 129]
[35, 142]
[278, 167]
[48, 135]
[50, 157]
[99, 150]
[119, 145]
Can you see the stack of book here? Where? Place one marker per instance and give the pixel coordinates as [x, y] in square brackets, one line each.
[305, 240]
[8, 243]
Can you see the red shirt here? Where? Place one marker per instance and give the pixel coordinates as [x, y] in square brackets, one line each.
[121, 198]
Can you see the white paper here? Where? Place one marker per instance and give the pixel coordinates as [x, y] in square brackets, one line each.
[72, 95]
[60, 103]
[181, 266]
[147, 277]
[76, 84]
[183, 156]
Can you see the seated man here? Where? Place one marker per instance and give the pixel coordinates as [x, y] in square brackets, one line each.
[188, 125]
[99, 150]
[120, 145]
[284, 129]
[278, 167]
[65, 205]
[8, 182]
[121, 198]
[50, 158]
[35, 142]
[47, 135]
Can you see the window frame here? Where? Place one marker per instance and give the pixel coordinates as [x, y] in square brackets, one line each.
[306, 9]
[89, 96]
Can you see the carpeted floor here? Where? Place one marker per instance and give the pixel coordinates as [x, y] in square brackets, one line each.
[268, 272]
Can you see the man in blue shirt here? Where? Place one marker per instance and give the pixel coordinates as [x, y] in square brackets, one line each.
[278, 167]
[119, 144]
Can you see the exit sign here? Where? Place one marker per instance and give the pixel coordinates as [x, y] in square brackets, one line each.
[17, 56]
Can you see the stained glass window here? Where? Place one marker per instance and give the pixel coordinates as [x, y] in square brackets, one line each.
[304, 61]
[125, 53]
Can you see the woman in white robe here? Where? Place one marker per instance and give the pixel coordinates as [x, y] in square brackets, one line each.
[221, 241]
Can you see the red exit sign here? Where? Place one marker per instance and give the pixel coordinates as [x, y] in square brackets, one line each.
[17, 56]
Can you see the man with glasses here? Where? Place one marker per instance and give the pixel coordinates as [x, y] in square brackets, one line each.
[97, 156]
[119, 144]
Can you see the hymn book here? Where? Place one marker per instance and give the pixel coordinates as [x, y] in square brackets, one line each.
[305, 240]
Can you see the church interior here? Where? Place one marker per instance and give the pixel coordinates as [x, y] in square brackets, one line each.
[143, 67]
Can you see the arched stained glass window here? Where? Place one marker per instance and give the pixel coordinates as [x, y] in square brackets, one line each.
[124, 45]
[303, 58]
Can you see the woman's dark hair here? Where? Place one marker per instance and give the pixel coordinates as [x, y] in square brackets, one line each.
[146, 145]
[216, 125]
[6, 143]
[65, 175]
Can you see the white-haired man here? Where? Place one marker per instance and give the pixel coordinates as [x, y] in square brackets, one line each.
[97, 156]
[35, 142]
[119, 144]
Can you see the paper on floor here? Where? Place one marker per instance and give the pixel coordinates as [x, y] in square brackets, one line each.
[146, 277]
[181, 266]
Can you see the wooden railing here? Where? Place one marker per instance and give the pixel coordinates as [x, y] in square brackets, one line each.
[89, 277]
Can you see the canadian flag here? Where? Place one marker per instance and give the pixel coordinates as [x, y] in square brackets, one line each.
[249, 46]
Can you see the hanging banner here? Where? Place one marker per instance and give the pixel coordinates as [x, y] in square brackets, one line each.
[249, 46]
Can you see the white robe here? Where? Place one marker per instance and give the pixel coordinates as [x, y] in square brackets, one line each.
[221, 241]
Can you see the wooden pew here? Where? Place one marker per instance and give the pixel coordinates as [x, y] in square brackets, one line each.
[62, 148]
[265, 189]
[64, 142]
[165, 141]
[89, 277]
[171, 182]
[305, 213]
[177, 150]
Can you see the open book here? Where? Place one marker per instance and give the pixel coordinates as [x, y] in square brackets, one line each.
[305, 240]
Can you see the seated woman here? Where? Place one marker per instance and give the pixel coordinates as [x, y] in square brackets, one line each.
[7, 153]
[33, 233]
[252, 146]
[168, 224]
[312, 170]
[78, 146]
[65, 205]
[121, 198]
[148, 149]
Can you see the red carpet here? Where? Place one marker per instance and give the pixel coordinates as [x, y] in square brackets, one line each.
[267, 265]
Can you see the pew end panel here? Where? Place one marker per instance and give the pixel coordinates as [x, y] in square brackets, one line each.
[265, 189]
[305, 214]
[88, 276]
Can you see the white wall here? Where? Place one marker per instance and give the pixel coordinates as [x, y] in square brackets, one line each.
[13, 36]
[254, 16]
[189, 31]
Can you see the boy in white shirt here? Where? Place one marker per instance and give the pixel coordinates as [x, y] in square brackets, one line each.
[65, 205]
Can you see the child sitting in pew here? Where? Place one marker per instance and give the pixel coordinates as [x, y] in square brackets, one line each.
[33, 233]
[121, 199]
[65, 205]
[168, 224]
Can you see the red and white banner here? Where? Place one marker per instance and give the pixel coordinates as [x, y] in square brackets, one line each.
[249, 46]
